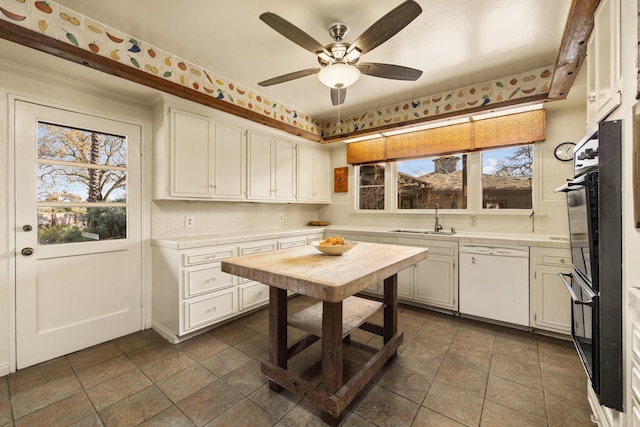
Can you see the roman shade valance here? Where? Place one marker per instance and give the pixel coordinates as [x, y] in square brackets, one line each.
[509, 130]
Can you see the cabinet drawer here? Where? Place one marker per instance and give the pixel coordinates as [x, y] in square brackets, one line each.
[635, 380]
[549, 259]
[635, 341]
[318, 236]
[439, 247]
[292, 243]
[207, 279]
[258, 248]
[213, 255]
[635, 416]
[210, 309]
[253, 295]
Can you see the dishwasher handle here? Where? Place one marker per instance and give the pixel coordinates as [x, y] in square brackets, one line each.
[574, 297]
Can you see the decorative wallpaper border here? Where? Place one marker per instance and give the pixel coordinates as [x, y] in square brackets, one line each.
[61, 23]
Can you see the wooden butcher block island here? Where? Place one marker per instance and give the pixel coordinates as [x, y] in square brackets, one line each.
[334, 280]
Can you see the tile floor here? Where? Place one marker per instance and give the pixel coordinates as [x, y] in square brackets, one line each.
[449, 372]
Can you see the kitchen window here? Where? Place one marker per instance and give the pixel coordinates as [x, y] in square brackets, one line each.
[423, 183]
[489, 180]
[82, 185]
[371, 187]
[507, 176]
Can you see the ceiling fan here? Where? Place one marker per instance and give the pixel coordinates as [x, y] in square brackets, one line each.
[339, 61]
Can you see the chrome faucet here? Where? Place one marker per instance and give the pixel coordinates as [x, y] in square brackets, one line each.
[437, 227]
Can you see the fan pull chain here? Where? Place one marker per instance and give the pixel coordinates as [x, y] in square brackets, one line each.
[339, 120]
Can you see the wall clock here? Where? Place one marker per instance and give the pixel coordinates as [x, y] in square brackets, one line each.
[564, 151]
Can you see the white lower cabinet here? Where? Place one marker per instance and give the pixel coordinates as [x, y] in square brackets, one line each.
[191, 292]
[208, 309]
[437, 281]
[433, 281]
[550, 300]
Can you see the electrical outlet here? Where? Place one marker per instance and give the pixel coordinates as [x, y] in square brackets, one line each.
[189, 222]
[474, 221]
[281, 217]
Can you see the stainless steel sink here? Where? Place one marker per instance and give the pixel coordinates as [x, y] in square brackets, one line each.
[402, 230]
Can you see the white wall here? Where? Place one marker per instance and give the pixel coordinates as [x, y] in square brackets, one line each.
[551, 212]
[226, 217]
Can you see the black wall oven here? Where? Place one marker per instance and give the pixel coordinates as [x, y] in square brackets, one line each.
[594, 202]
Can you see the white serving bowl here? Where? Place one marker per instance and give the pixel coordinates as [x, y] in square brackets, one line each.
[334, 250]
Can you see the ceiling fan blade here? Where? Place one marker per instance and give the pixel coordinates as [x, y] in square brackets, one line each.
[293, 33]
[289, 77]
[338, 95]
[389, 71]
[387, 26]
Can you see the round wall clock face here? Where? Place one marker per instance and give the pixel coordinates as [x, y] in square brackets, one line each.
[564, 151]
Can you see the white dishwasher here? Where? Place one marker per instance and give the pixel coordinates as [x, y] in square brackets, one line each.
[494, 283]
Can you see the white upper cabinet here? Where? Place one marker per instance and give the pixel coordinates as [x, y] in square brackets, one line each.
[229, 160]
[314, 175]
[271, 168]
[201, 154]
[191, 151]
[604, 72]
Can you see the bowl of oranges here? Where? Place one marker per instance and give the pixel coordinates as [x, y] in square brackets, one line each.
[334, 245]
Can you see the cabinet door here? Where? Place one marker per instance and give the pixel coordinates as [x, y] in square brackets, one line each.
[322, 176]
[259, 167]
[191, 140]
[436, 282]
[284, 174]
[305, 173]
[405, 283]
[229, 159]
[603, 62]
[552, 301]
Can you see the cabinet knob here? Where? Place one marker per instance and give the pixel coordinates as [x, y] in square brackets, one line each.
[591, 99]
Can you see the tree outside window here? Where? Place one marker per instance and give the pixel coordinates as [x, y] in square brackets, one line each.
[82, 178]
[507, 176]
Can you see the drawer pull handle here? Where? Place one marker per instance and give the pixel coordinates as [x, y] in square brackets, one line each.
[562, 261]
[260, 293]
[211, 309]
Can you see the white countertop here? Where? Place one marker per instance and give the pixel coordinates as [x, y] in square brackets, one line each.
[462, 237]
[190, 242]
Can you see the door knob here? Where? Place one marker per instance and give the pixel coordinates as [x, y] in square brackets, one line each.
[27, 251]
[27, 228]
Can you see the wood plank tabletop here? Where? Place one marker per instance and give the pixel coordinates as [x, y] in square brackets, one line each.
[306, 271]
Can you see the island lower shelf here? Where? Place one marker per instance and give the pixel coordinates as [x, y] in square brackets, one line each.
[355, 311]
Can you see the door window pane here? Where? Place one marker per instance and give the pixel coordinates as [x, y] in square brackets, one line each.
[371, 187]
[82, 185]
[507, 175]
[424, 182]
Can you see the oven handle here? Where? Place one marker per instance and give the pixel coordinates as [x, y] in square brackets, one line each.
[578, 182]
[574, 297]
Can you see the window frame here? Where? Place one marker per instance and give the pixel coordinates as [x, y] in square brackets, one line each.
[474, 184]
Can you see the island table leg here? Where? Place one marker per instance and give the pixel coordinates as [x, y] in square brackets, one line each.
[390, 327]
[332, 353]
[277, 330]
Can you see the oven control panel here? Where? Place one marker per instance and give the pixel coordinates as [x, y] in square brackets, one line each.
[585, 156]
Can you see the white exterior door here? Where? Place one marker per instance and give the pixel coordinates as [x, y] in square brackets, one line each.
[78, 237]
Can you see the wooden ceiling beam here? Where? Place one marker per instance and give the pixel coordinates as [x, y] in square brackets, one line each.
[573, 48]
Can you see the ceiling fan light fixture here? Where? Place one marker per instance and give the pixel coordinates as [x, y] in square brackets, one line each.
[339, 75]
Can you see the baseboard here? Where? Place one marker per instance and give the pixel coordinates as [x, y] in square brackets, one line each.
[4, 369]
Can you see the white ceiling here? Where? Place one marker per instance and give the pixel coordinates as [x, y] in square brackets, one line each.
[455, 42]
